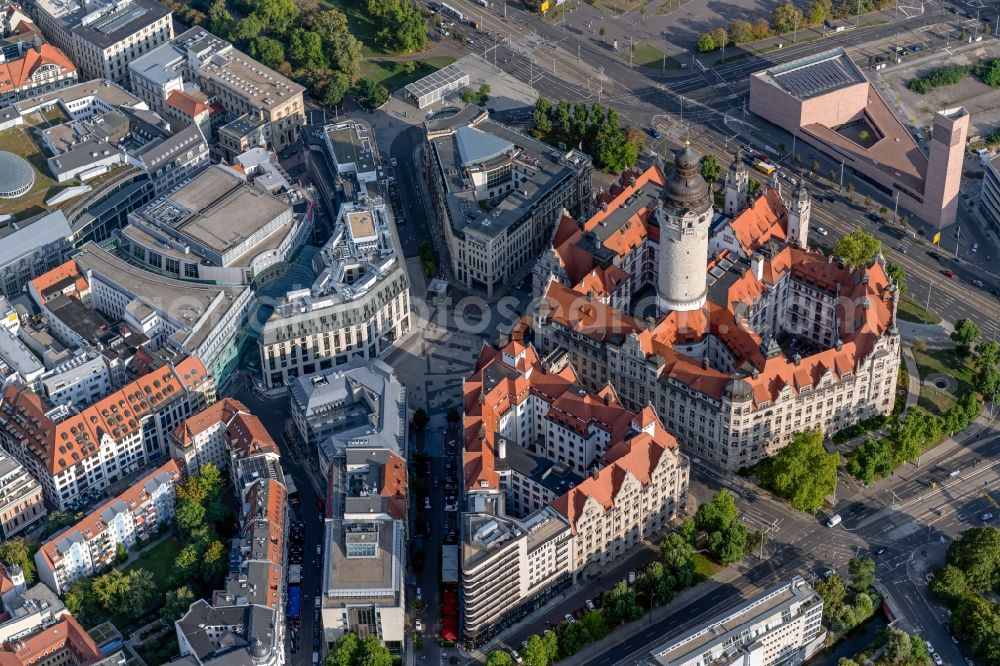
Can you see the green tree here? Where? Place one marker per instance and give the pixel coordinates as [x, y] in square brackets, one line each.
[20, 552]
[761, 29]
[109, 588]
[373, 653]
[818, 12]
[977, 622]
[220, 21]
[977, 555]
[965, 333]
[542, 120]
[550, 641]
[269, 51]
[718, 513]
[247, 28]
[720, 36]
[706, 43]
[138, 591]
[334, 88]
[176, 603]
[987, 377]
[580, 118]
[343, 48]
[864, 135]
[898, 277]
[186, 563]
[405, 29]
[753, 188]
[535, 652]
[499, 658]
[949, 584]
[603, 31]
[305, 49]
[371, 94]
[862, 570]
[595, 623]
[730, 544]
[381, 8]
[710, 169]
[188, 516]
[740, 31]
[345, 651]
[919, 654]
[620, 605]
[561, 117]
[79, 596]
[786, 17]
[277, 15]
[214, 561]
[898, 648]
[858, 248]
[656, 583]
[802, 472]
[688, 531]
[677, 555]
[420, 419]
[832, 591]
[572, 637]
[871, 461]
[847, 661]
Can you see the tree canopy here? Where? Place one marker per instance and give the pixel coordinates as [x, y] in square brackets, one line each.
[802, 472]
[858, 248]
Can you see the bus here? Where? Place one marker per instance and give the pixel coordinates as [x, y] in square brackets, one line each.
[765, 167]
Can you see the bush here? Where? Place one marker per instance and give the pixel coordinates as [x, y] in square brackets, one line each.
[945, 76]
[706, 43]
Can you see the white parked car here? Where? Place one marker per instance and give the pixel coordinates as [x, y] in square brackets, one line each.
[986, 516]
[822, 231]
[937, 659]
[569, 618]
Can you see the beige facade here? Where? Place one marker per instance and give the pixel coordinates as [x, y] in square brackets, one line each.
[826, 101]
[21, 502]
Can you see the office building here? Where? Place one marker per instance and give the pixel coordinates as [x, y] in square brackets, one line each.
[261, 106]
[786, 340]
[127, 520]
[202, 438]
[362, 400]
[497, 195]
[103, 36]
[826, 101]
[30, 247]
[989, 201]
[64, 642]
[558, 480]
[28, 610]
[21, 502]
[781, 625]
[217, 227]
[357, 307]
[178, 316]
[71, 454]
[17, 30]
[364, 558]
[37, 69]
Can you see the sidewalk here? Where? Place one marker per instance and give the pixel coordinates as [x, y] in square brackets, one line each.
[913, 387]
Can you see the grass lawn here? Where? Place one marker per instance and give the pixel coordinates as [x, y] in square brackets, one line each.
[159, 559]
[909, 310]
[649, 56]
[704, 568]
[670, 6]
[943, 362]
[362, 26]
[17, 141]
[393, 77]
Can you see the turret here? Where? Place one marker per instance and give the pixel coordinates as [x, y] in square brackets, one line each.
[798, 216]
[684, 219]
[737, 186]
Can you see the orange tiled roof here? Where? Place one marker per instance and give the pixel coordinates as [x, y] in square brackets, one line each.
[65, 271]
[583, 315]
[266, 506]
[393, 477]
[218, 412]
[92, 525]
[66, 634]
[764, 219]
[186, 104]
[636, 456]
[64, 444]
[15, 74]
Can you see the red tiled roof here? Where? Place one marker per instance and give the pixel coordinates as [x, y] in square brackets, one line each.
[43, 646]
[60, 273]
[764, 219]
[186, 104]
[17, 73]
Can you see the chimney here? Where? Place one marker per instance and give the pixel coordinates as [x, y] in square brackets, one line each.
[839, 344]
[797, 359]
[704, 363]
[501, 448]
[594, 473]
[757, 266]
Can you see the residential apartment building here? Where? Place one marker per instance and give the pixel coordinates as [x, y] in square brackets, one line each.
[63, 643]
[781, 625]
[37, 69]
[103, 36]
[17, 30]
[360, 401]
[26, 610]
[989, 201]
[202, 437]
[357, 307]
[129, 519]
[557, 480]
[21, 502]
[244, 622]
[776, 339]
[260, 105]
[116, 437]
[497, 195]
[178, 316]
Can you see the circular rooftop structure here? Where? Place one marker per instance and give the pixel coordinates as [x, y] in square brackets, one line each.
[16, 175]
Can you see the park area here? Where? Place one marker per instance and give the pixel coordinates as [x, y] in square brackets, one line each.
[943, 377]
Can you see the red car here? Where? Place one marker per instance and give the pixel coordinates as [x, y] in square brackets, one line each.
[947, 273]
